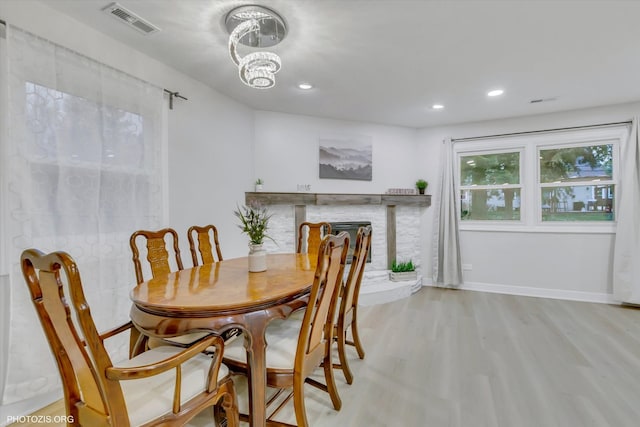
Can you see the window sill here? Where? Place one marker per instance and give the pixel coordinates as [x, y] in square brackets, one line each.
[545, 228]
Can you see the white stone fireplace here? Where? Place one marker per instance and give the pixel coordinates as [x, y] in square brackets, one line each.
[395, 223]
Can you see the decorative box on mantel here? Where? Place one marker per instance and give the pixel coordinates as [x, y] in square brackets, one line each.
[385, 231]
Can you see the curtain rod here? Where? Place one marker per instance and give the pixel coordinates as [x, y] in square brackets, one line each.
[533, 132]
[172, 95]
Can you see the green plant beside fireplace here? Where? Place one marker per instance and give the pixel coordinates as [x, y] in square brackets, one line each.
[402, 267]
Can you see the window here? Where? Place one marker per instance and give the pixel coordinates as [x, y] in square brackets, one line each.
[88, 154]
[83, 166]
[490, 186]
[540, 182]
[576, 183]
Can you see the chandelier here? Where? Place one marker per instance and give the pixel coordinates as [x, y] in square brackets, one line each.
[257, 27]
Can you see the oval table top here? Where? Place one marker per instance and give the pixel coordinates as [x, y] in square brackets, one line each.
[226, 286]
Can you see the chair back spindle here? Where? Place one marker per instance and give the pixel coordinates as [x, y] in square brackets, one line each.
[204, 236]
[157, 253]
[310, 235]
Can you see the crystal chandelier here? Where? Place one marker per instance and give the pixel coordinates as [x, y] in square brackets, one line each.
[255, 26]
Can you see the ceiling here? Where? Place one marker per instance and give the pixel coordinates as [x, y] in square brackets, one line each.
[389, 61]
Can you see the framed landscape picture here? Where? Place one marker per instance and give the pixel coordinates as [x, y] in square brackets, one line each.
[346, 159]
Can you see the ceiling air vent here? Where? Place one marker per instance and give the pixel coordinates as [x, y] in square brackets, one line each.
[131, 19]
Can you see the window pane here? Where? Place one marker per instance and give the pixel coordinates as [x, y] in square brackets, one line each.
[70, 128]
[490, 169]
[502, 204]
[578, 203]
[576, 163]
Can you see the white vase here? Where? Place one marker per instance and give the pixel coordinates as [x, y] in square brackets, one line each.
[257, 258]
[258, 187]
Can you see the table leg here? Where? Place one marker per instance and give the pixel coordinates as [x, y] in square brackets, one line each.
[255, 344]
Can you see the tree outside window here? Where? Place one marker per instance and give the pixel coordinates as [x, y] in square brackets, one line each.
[490, 186]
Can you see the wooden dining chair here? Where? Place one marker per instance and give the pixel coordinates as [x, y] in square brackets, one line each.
[297, 348]
[157, 253]
[348, 310]
[163, 386]
[310, 234]
[160, 264]
[204, 236]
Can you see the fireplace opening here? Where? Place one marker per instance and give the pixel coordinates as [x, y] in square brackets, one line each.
[352, 228]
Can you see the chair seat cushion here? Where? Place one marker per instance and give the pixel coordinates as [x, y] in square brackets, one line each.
[152, 397]
[282, 342]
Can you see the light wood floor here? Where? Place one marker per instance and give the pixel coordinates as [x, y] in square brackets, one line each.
[446, 358]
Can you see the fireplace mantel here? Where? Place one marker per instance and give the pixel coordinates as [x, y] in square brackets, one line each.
[338, 199]
[389, 202]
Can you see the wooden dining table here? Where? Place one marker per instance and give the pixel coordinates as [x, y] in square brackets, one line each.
[224, 295]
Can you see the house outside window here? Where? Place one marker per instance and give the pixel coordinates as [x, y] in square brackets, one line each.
[576, 183]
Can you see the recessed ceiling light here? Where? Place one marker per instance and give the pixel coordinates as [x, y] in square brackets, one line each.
[437, 106]
[495, 92]
[305, 86]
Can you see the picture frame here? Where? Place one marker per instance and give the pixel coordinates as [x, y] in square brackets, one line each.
[349, 158]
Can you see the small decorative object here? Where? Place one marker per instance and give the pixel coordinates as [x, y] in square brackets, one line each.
[254, 221]
[401, 191]
[421, 185]
[403, 271]
[259, 183]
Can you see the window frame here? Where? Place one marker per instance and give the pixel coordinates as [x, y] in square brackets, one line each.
[531, 187]
[489, 151]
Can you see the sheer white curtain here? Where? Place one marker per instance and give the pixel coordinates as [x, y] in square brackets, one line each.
[84, 165]
[447, 263]
[626, 259]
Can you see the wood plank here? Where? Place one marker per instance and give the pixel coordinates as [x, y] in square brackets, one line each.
[280, 198]
[348, 199]
[406, 200]
[391, 235]
[337, 199]
[300, 216]
[460, 358]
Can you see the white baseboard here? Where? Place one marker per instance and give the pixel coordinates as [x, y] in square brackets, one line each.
[528, 291]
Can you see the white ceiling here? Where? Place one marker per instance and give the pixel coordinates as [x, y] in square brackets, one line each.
[388, 61]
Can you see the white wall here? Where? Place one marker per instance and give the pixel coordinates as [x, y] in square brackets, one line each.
[286, 153]
[551, 264]
[209, 146]
[210, 166]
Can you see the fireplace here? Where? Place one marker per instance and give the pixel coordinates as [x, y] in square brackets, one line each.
[394, 219]
[352, 228]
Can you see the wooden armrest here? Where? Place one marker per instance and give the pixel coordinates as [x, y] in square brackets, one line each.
[112, 332]
[143, 371]
[115, 331]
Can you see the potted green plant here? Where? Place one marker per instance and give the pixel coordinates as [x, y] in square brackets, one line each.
[401, 271]
[259, 183]
[254, 222]
[421, 185]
